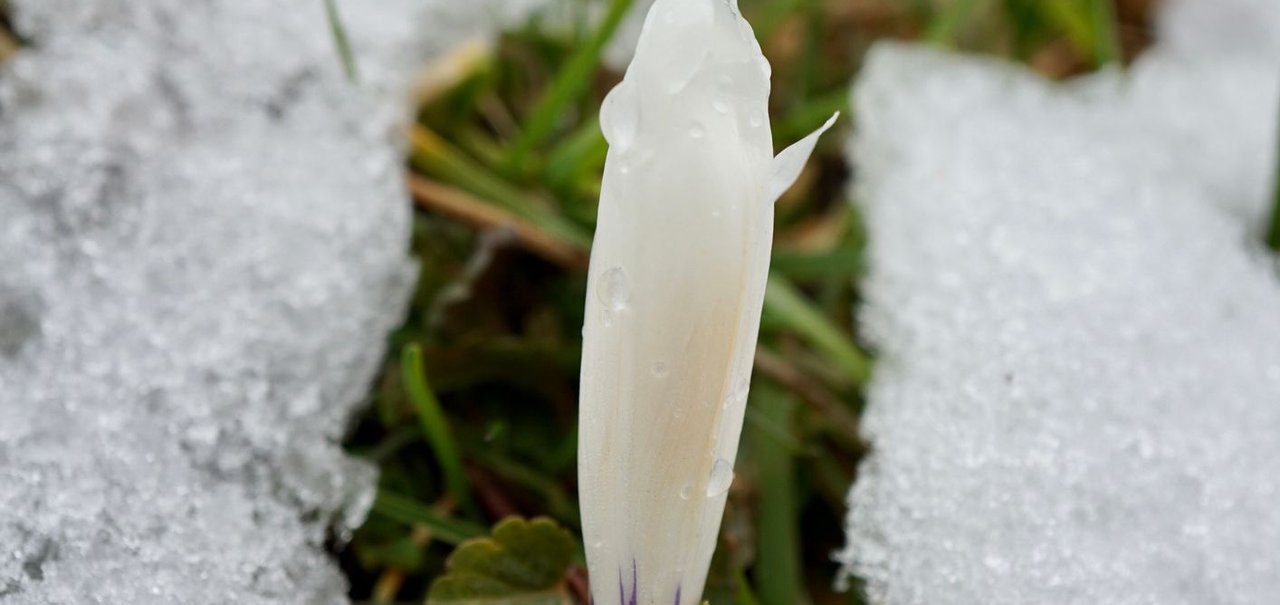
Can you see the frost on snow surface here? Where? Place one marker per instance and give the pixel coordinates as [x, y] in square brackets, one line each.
[203, 241]
[1077, 399]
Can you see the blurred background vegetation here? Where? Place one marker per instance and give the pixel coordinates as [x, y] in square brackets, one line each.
[473, 418]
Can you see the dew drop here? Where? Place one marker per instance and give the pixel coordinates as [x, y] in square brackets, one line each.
[612, 290]
[660, 370]
[720, 106]
[765, 69]
[697, 131]
[738, 396]
[721, 478]
[686, 490]
[620, 116]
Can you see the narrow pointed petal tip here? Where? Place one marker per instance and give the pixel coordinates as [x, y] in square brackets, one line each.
[675, 289]
[790, 163]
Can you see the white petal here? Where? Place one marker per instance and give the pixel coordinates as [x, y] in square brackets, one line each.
[787, 166]
[678, 271]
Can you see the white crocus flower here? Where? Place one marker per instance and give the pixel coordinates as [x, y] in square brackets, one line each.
[677, 281]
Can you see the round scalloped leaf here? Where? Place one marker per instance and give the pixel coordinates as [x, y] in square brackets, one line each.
[521, 563]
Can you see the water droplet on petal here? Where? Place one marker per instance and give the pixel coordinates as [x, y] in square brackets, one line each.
[697, 131]
[721, 478]
[720, 106]
[686, 490]
[620, 115]
[737, 396]
[660, 370]
[612, 290]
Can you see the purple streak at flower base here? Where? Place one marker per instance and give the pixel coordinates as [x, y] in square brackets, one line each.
[634, 599]
[635, 583]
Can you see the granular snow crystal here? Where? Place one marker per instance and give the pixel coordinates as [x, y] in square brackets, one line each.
[203, 242]
[1077, 398]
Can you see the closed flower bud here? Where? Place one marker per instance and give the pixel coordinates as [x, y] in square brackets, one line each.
[676, 285]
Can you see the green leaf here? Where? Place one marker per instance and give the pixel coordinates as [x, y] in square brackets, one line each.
[521, 563]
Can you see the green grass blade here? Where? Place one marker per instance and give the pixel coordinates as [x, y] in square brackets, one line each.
[789, 307]
[763, 424]
[580, 152]
[569, 85]
[1273, 235]
[782, 580]
[405, 510]
[836, 264]
[434, 425]
[949, 22]
[771, 15]
[340, 40]
[1074, 23]
[559, 504]
[743, 595]
[809, 68]
[809, 115]
[434, 156]
[1106, 49]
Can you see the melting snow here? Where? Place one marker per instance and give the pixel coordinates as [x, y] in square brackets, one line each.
[1078, 393]
[203, 236]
